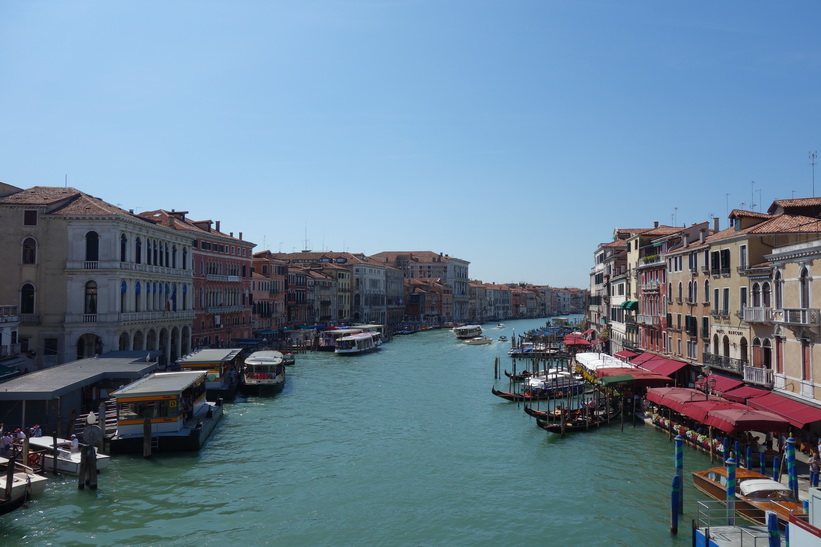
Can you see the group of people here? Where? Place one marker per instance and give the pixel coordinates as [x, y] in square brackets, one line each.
[10, 438]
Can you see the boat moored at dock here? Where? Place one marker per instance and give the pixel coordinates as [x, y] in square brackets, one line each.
[362, 342]
[68, 460]
[264, 373]
[166, 409]
[479, 341]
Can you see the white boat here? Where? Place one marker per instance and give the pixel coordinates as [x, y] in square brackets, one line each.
[479, 341]
[24, 478]
[500, 326]
[467, 331]
[328, 338]
[264, 372]
[68, 461]
[357, 343]
[174, 406]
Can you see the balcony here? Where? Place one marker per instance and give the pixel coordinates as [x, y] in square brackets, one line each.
[649, 320]
[728, 364]
[801, 317]
[652, 287]
[757, 315]
[149, 316]
[759, 376]
[29, 319]
[224, 278]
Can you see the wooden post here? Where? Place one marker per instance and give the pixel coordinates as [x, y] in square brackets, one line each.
[91, 468]
[54, 452]
[83, 472]
[10, 474]
[147, 438]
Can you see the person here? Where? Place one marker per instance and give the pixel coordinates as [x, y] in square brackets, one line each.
[5, 443]
[36, 431]
[20, 434]
[815, 467]
[75, 443]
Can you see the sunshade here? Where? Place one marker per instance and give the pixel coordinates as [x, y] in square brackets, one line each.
[735, 420]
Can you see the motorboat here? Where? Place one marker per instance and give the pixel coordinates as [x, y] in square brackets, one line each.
[264, 372]
[479, 341]
[68, 460]
[467, 331]
[755, 493]
[23, 479]
[503, 339]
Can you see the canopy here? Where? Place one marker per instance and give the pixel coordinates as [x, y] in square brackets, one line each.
[699, 410]
[737, 420]
[643, 358]
[676, 397]
[624, 354]
[575, 340]
[663, 366]
[722, 383]
[617, 375]
[743, 393]
[797, 413]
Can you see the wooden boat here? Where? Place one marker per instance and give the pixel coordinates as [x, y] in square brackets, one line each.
[755, 493]
[42, 449]
[168, 407]
[363, 342]
[479, 341]
[263, 373]
[24, 478]
[16, 501]
[467, 331]
[519, 376]
[541, 394]
[577, 422]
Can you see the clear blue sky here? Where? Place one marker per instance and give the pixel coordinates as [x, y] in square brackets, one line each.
[515, 134]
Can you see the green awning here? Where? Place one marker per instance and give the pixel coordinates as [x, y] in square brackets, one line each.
[632, 305]
[622, 379]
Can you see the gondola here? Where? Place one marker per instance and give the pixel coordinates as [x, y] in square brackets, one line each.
[520, 376]
[7, 506]
[578, 423]
[541, 394]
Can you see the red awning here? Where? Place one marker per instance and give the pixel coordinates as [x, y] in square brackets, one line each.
[698, 410]
[634, 375]
[743, 393]
[722, 383]
[588, 331]
[737, 420]
[663, 365]
[797, 413]
[575, 340]
[644, 357]
[677, 397]
[624, 354]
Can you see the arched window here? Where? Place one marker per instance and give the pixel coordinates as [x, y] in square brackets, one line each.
[123, 248]
[137, 296]
[765, 295]
[154, 251]
[695, 292]
[29, 251]
[680, 291]
[804, 282]
[184, 264]
[27, 298]
[778, 289]
[91, 298]
[706, 291]
[756, 295]
[174, 256]
[123, 296]
[92, 247]
[138, 251]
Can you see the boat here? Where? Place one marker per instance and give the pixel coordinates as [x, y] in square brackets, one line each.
[363, 342]
[171, 406]
[540, 394]
[328, 338]
[519, 376]
[755, 493]
[16, 501]
[503, 339]
[263, 373]
[467, 331]
[577, 421]
[500, 326]
[288, 359]
[24, 478]
[42, 449]
[222, 366]
[479, 341]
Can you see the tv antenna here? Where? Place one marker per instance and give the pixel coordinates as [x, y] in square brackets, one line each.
[813, 155]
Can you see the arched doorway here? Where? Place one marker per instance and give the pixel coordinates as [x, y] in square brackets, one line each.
[89, 345]
[138, 340]
[123, 342]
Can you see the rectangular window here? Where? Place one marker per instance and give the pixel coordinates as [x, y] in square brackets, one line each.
[50, 346]
[742, 257]
[743, 298]
[30, 218]
[715, 301]
[725, 308]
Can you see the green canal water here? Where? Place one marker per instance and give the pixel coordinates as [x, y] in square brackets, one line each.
[406, 446]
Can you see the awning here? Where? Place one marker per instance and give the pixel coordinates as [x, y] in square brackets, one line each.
[588, 331]
[698, 410]
[677, 397]
[643, 358]
[624, 354]
[575, 340]
[722, 383]
[663, 366]
[630, 305]
[738, 420]
[797, 413]
[620, 375]
[743, 393]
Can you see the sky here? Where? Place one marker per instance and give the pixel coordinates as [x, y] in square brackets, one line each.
[514, 134]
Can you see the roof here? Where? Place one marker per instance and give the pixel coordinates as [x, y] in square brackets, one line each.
[57, 381]
[210, 356]
[64, 201]
[160, 383]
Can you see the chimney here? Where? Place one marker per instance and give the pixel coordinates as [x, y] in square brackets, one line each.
[217, 225]
[231, 234]
[701, 235]
[240, 235]
[715, 224]
[686, 239]
[656, 224]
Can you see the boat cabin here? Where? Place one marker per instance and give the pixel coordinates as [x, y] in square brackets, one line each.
[222, 368]
[357, 343]
[467, 331]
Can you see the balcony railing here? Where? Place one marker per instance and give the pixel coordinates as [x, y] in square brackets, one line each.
[806, 317]
[650, 320]
[758, 375]
[29, 319]
[729, 364]
[705, 334]
[650, 287]
[757, 315]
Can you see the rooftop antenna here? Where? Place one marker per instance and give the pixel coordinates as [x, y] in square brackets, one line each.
[675, 212]
[66, 182]
[813, 155]
[727, 203]
[305, 248]
[752, 195]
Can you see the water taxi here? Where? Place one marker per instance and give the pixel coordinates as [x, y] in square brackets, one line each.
[328, 338]
[264, 373]
[363, 342]
[42, 451]
[169, 408]
[479, 341]
[467, 331]
[222, 366]
[755, 493]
